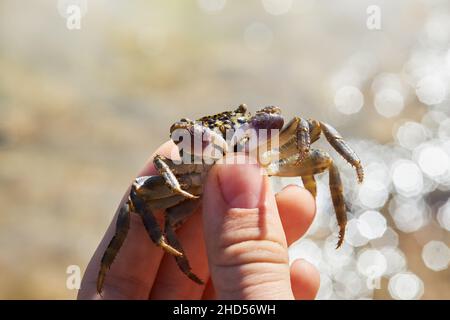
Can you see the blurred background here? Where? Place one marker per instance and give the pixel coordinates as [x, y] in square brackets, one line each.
[82, 109]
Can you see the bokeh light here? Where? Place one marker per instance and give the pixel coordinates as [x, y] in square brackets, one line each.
[406, 286]
[411, 215]
[354, 236]
[444, 129]
[411, 134]
[371, 263]
[433, 160]
[443, 215]
[338, 258]
[349, 284]
[374, 192]
[349, 100]
[305, 249]
[437, 29]
[389, 103]
[258, 37]
[407, 178]
[390, 81]
[389, 239]
[325, 289]
[376, 223]
[395, 260]
[277, 7]
[211, 6]
[433, 118]
[436, 255]
[431, 90]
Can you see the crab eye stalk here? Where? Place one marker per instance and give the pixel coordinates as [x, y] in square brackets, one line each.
[270, 110]
[182, 124]
[241, 109]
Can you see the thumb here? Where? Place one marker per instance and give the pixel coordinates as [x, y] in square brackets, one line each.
[245, 241]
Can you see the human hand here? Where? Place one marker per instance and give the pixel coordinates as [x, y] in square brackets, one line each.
[246, 229]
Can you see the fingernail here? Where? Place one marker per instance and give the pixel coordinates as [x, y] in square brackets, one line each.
[241, 184]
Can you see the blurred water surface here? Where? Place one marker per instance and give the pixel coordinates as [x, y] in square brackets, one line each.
[81, 111]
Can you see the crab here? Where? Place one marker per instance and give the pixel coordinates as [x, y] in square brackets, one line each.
[177, 188]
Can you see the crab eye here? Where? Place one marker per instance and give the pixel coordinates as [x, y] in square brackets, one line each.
[241, 109]
[270, 109]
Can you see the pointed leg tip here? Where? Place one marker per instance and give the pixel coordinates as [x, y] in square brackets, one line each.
[101, 280]
[174, 252]
[169, 249]
[360, 179]
[196, 279]
[178, 253]
[360, 174]
[340, 241]
[187, 194]
[100, 289]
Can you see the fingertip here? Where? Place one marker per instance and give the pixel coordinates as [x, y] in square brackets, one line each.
[297, 209]
[307, 198]
[241, 183]
[305, 280]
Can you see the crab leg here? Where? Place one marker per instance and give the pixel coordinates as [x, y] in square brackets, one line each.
[338, 143]
[314, 130]
[187, 168]
[178, 209]
[159, 195]
[179, 213]
[310, 184]
[150, 223]
[182, 261]
[299, 134]
[337, 196]
[175, 216]
[288, 149]
[294, 139]
[150, 193]
[122, 227]
[317, 162]
[169, 177]
[296, 132]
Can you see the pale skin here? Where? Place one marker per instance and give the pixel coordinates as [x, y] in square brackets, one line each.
[237, 243]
